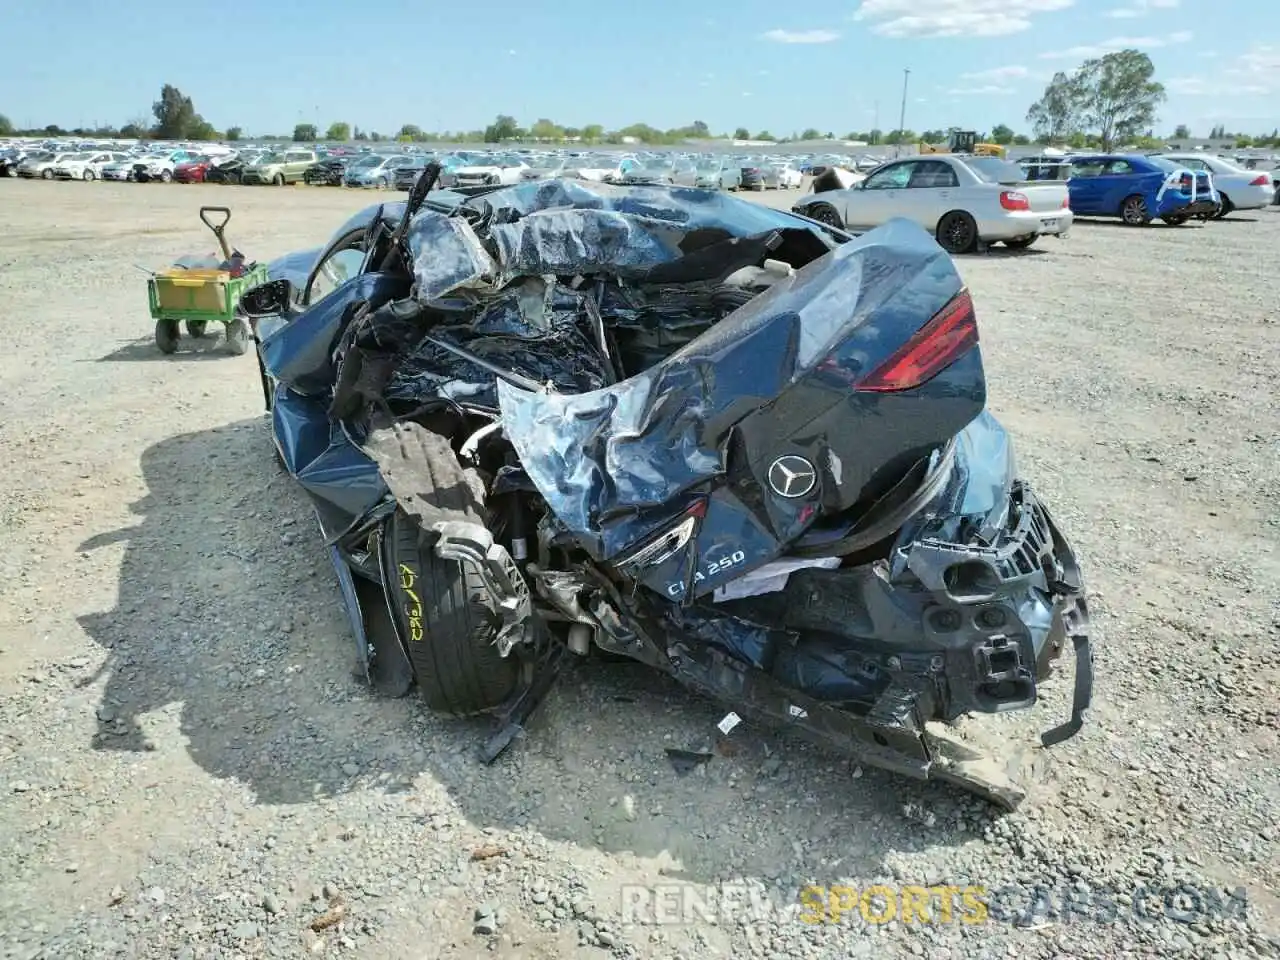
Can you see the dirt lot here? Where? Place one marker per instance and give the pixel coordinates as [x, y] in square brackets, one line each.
[189, 769]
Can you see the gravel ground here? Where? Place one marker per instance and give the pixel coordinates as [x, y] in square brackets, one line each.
[188, 767]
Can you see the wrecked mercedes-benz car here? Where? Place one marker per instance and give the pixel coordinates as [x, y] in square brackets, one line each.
[740, 446]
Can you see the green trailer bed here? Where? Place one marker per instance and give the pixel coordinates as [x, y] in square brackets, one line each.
[198, 296]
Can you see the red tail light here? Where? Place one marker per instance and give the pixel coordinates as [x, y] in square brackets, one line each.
[935, 346]
[1066, 203]
[1262, 181]
[1012, 200]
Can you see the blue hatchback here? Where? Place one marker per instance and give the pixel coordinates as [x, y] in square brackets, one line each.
[1138, 189]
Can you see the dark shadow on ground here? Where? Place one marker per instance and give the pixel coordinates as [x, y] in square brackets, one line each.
[1082, 221]
[228, 607]
[211, 346]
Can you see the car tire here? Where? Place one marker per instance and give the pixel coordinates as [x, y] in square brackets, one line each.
[166, 176]
[1176, 220]
[1225, 206]
[826, 213]
[957, 232]
[88, 176]
[1134, 211]
[46, 174]
[448, 627]
[1021, 243]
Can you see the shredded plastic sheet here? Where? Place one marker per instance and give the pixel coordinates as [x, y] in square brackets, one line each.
[448, 256]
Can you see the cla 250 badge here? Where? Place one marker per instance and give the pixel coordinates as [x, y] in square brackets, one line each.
[709, 570]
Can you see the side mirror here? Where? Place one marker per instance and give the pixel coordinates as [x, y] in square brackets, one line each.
[267, 300]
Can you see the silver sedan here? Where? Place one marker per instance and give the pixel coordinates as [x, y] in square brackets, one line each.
[963, 200]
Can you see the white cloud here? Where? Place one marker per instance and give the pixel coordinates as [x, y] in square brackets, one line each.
[1115, 44]
[1204, 87]
[1140, 8]
[1256, 72]
[801, 36]
[953, 18]
[991, 90]
[998, 73]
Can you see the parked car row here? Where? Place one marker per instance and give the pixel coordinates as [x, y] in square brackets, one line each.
[1174, 187]
[968, 201]
[399, 168]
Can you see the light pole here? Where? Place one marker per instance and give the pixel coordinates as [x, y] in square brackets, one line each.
[902, 114]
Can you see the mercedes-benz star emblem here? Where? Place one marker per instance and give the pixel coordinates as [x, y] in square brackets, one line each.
[791, 476]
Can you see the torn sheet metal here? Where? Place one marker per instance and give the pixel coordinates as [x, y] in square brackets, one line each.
[600, 458]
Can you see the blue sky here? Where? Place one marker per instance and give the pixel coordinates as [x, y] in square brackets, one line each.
[765, 65]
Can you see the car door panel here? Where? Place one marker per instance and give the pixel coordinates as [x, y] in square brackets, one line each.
[932, 191]
[1084, 187]
[879, 197]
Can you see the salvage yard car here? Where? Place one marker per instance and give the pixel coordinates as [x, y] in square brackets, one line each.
[279, 168]
[42, 164]
[1137, 189]
[373, 170]
[962, 200]
[1238, 188]
[86, 166]
[159, 167]
[490, 171]
[733, 444]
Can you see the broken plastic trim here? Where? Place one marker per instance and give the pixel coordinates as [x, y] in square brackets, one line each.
[472, 544]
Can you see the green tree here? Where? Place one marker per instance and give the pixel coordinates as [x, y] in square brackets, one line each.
[1180, 132]
[897, 137]
[1117, 95]
[201, 129]
[1002, 134]
[305, 133]
[1021, 139]
[544, 129]
[742, 133]
[135, 131]
[1244, 141]
[174, 114]
[234, 133]
[409, 132]
[593, 133]
[572, 133]
[933, 136]
[699, 130]
[764, 135]
[6, 126]
[812, 133]
[1218, 133]
[1058, 112]
[502, 128]
[874, 137]
[375, 136]
[338, 132]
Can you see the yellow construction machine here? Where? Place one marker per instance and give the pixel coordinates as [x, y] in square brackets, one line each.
[964, 141]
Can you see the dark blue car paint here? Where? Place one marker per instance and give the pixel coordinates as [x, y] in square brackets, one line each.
[1104, 195]
[778, 376]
